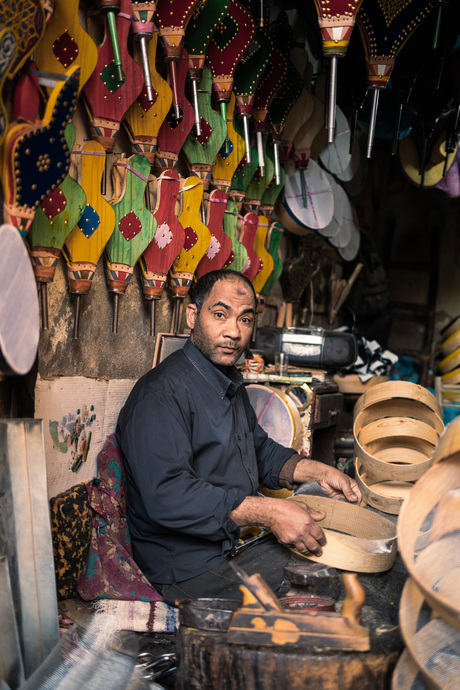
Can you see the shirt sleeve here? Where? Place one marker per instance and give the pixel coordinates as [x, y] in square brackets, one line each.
[156, 442]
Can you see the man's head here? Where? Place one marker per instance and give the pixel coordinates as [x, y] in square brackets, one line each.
[221, 316]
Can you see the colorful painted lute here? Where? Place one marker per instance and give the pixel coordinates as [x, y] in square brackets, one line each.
[107, 98]
[201, 150]
[66, 44]
[220, 245]
[289, 90]
[135, 225]
[54, 220]
[174, 130]
[229, 157]
[85, 244]
[384, 30]
[167, 244]
[172, 19]
[143, 28]
[145, 116]
[197, 240]
[239, 254]
[336, 20]
[228, 44]
[204, 21]
[35, 157]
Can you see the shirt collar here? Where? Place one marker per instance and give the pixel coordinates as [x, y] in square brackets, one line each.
[225, 384]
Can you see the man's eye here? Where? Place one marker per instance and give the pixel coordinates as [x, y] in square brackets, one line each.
[246, 319]
[219, 314]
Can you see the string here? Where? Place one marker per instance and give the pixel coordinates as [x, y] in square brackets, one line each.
[133, 170]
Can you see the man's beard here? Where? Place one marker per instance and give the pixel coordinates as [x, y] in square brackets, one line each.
[211, 352]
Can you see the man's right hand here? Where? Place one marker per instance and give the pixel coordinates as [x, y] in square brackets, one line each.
[292, 522]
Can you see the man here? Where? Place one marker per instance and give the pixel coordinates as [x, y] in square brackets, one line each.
[195, 457]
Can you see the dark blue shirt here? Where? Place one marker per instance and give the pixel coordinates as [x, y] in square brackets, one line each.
[193, 450]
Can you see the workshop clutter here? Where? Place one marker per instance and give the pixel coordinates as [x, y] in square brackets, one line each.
[429, 541]
[447, 383]
[396, 427]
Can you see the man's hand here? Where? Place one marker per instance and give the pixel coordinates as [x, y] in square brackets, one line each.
[293, 523]
[335, 483]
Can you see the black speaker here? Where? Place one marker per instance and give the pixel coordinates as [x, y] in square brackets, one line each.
[307, 347]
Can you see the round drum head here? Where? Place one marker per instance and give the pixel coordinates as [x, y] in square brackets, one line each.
[336, 157]
[333, 228]
[350, 251]
[319, 200]
[276, 414]
[343, 237]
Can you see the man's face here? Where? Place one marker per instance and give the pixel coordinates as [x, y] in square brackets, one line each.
[224, 325]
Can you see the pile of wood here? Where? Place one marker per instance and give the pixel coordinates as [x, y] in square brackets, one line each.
[396, 428]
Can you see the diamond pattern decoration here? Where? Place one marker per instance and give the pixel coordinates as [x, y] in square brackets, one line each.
[89, 222]
[191, 238]
[65, 49]
[129, 226]
[54, 203]
[144, 101]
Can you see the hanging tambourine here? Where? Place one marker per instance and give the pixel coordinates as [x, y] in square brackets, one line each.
[350, 251]
[277, 414]
[320, 203]
[332, 229]
[336, 157]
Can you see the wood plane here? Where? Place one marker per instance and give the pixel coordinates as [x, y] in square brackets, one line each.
[261, 620]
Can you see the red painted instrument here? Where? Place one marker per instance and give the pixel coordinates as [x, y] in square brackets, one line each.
[201, 27]
[228, 44]
[220, 246]
[107, 98]
[174, 130]
[167, 244]
[111, 8]
[250, 224]
[172, 19]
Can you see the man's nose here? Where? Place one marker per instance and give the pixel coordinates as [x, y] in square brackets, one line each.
[232, 329]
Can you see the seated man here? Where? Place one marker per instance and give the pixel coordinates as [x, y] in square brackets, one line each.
[195, 457]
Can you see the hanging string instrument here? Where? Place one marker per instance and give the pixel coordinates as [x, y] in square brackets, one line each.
[229, 156]
[247, 76]
[201, 150]
[107, 97]
[135, 225]
[143, 119]
[266, 261]
[289, 90]
[167, 243]
[239, 254]
[250, 224]
[35, 157]
[54, 219]
[175, 130]
[384, 30]
[85, 244]
[336, 20]
[227, 46]
[22, 27]
[260, 181]
[204, 21]
[65, 45]
[275, 235]
[172, 19]
[197, 240]
[302, 109]
[220, 245]
[143, 29]
[244, 171]
[267, 88]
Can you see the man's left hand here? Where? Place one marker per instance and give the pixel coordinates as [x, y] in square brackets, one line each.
[339, 485]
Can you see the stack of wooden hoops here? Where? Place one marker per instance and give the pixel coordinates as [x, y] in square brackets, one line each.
[428, 532]
[396, 427]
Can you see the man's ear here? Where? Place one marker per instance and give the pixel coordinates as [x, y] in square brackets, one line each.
[190, 315]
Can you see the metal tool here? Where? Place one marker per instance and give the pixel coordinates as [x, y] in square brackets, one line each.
[156, 667]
